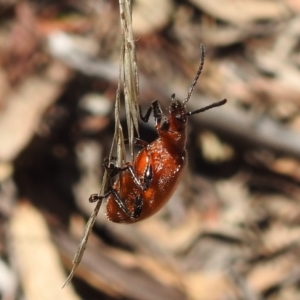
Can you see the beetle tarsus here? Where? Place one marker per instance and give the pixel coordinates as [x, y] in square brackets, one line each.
[96, 197]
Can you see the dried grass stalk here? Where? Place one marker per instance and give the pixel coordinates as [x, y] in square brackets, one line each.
[128, 76]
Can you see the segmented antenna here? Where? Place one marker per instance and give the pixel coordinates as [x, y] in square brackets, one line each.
[197, 75]
[215, 104]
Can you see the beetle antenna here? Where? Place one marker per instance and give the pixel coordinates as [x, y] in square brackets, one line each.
[197, 75]
[215, 104]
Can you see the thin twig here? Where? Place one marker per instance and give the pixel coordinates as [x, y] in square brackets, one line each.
[130, 72]
[128, 75]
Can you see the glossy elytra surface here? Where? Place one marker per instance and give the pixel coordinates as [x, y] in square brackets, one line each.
[159, 166]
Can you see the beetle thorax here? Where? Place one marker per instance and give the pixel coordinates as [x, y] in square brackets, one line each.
[173, 129]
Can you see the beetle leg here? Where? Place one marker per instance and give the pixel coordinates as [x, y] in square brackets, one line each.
[142, 186]
[157, 112]
[116, 170]
[148, 176]
[113, 172]
[109, 165]
[137, 142]
[147, 115]
[138, 205]
[96, 197]
[141, 143]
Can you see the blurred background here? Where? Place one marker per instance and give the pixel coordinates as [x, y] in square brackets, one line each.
[232, 229]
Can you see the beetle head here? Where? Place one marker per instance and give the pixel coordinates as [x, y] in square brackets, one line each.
[177, 111]
[176, 121]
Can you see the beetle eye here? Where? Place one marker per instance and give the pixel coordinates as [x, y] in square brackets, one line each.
[165, 125]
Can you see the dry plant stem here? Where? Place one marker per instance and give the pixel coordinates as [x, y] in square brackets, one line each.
[130, 72]
[118, 134]
[129, 76]
[88, 227]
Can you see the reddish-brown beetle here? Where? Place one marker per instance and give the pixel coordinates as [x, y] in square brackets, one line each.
[146, 185]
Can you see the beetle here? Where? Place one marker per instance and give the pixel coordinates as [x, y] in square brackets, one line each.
[145, 185]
